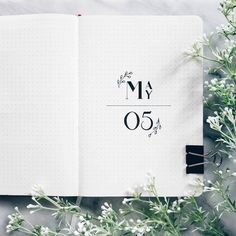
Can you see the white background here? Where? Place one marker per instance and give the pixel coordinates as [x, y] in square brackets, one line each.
[206, 9]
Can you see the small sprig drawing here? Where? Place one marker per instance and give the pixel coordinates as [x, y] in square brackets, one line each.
[123, 77]
[155, 128]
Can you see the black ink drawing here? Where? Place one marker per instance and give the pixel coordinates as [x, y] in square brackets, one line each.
[155, 128]
[126, 75]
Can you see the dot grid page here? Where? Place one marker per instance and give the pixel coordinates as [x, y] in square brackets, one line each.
[39, 104]
[117, 149]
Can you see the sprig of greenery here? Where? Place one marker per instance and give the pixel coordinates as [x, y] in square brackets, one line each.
[222, 188]
[137, 216]
[221, 98]
[224, 122]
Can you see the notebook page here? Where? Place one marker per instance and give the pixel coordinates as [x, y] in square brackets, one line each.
[38, 104]
[140, 103]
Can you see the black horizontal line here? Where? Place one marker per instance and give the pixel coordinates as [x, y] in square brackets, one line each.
[156, 105]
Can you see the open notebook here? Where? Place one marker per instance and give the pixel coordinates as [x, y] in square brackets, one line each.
[89, 105]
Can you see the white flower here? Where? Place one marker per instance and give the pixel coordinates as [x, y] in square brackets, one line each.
[37, 191]
[31, 206]
[125, 201]
[121, 211]
[81, 226]
[208, 189]
[213, 81]
[44, 231]
[15, 222]
[214, 122]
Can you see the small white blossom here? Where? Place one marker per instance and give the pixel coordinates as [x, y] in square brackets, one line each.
[37, 191]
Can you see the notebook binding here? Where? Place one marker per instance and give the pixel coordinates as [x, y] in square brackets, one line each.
[194, 159]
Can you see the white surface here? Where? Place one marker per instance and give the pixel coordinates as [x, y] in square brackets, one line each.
[207, 10]
[38, 104]
[112, 157]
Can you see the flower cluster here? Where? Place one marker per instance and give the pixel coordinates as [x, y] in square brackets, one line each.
[138, 227]
[223, 90]
[138, 216]
[224, 122]
[86, 227]
[15, 221]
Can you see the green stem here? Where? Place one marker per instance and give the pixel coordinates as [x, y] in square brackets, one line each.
[205, 222]
[166, 216]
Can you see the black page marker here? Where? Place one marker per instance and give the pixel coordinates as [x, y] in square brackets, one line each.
[195, 159]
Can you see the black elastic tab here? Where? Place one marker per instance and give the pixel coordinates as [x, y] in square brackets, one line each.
[195, 159]
[198, 169]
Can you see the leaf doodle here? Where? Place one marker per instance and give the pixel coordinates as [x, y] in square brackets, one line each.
[126, 75]
[155, 128]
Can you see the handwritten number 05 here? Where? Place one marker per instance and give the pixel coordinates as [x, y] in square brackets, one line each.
[146, 123]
